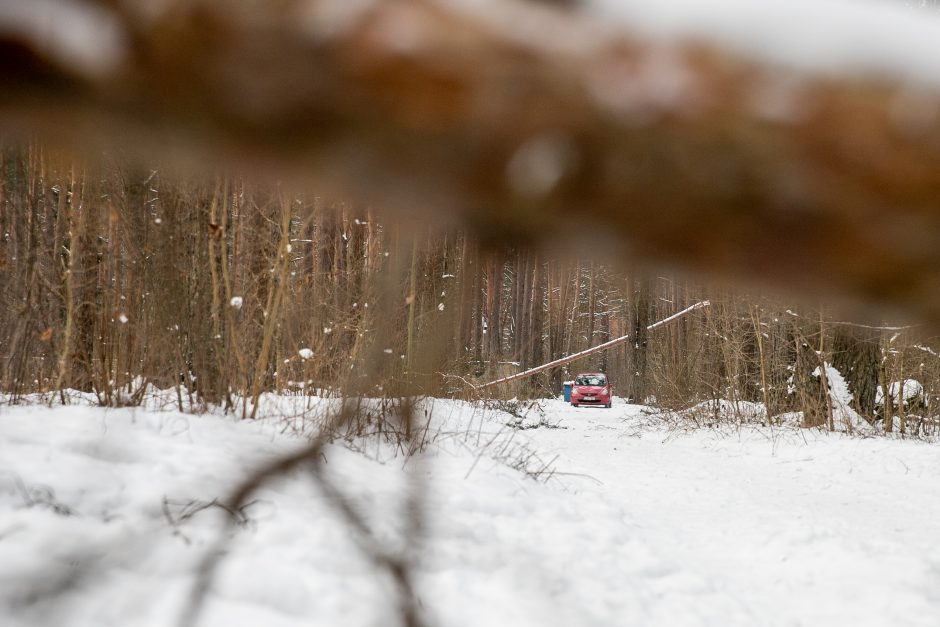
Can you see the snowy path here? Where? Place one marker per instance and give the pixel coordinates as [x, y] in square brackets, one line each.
[825, 531]
[641, 527]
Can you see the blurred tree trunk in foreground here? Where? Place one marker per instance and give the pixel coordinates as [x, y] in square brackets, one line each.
[654, 146]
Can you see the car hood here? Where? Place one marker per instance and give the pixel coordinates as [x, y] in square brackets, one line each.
[590, 389]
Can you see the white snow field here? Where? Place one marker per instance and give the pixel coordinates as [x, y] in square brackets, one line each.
[619, 521]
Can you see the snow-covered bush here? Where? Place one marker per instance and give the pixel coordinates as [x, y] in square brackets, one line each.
[908, 391]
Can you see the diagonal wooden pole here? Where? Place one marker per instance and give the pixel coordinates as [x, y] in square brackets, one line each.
[609, 344]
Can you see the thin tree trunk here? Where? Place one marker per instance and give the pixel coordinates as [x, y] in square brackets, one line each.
[759, 335]
[411, 299]
[272, 307]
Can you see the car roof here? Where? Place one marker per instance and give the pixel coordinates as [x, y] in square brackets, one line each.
[591, 374]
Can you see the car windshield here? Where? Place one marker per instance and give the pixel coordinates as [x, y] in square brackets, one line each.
[591, 379]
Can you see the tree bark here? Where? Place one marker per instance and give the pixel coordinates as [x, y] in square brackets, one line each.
[467, 113]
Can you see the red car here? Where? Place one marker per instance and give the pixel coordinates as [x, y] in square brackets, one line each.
[591, 388]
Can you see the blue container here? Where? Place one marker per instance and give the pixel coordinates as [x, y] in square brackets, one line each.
[566, 390]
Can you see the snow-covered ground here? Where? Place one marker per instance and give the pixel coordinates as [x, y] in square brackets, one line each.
[618, 521]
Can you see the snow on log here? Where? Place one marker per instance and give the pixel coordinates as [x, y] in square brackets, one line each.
[797, 143]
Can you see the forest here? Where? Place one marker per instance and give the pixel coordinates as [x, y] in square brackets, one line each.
[119, 279]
